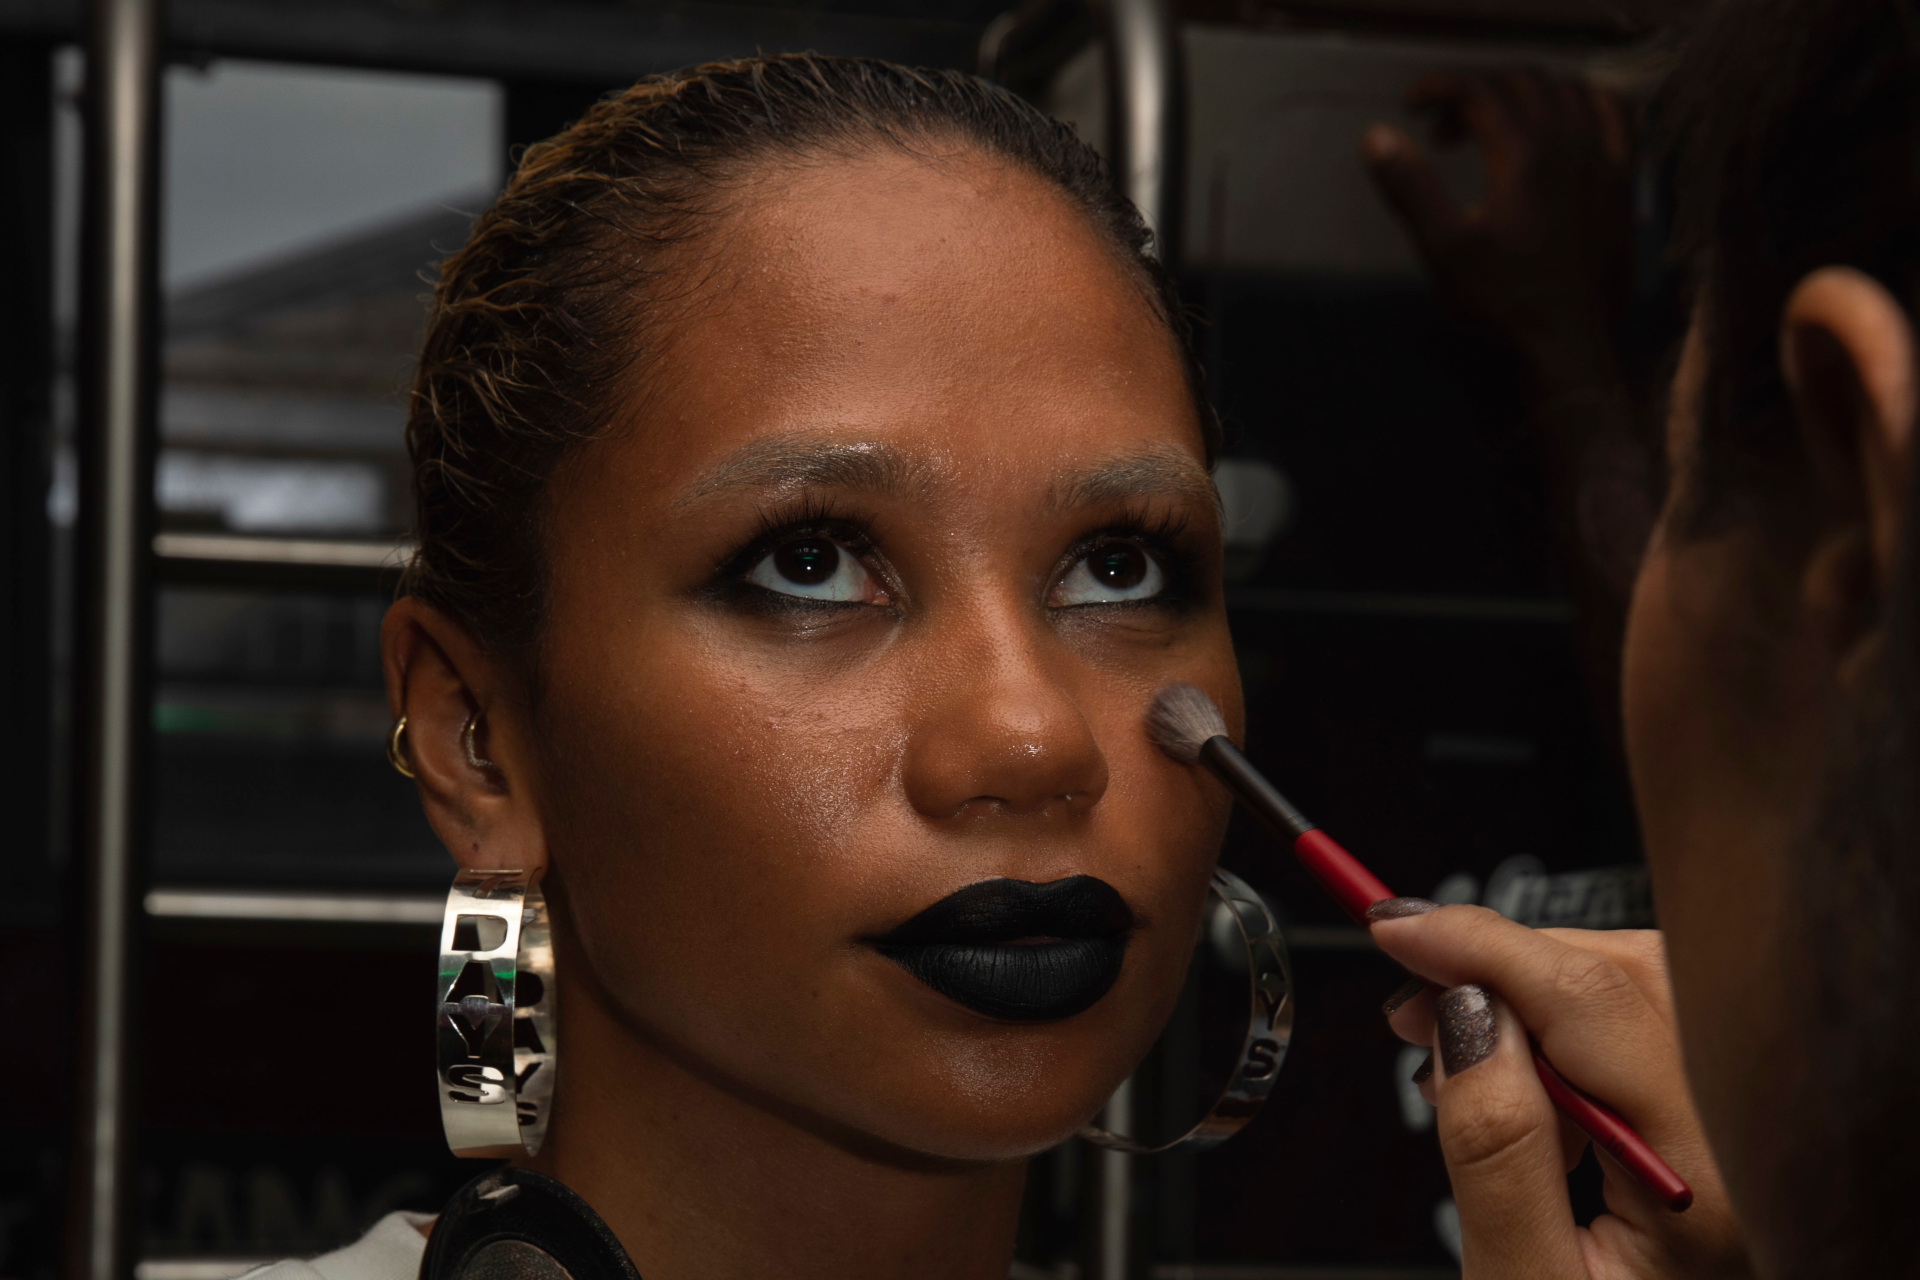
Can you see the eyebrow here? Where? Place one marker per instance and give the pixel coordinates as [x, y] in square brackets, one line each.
[808, 461]
[1160, 471]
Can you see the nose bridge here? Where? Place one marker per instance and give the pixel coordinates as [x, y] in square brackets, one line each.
[1002, 731]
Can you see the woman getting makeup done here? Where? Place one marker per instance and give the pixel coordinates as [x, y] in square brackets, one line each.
[812, 495]
[1772, 709]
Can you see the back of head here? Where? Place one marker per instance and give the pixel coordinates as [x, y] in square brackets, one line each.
[546, 324]
[1798, 147]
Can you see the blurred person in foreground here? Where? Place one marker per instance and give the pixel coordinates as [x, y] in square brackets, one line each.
[1771, 692]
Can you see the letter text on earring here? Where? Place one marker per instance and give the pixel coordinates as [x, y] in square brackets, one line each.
[1269, 1028]
[495, 1032]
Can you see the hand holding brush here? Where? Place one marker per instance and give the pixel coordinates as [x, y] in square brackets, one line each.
[1185, 724]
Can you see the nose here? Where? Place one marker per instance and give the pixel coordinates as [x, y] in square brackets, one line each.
[1001, 735]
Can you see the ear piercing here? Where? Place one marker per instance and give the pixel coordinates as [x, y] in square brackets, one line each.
[403, 764]
[474, 758]
[397, 748]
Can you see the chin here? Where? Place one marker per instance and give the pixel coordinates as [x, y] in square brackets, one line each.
[951, 1084]
[1002, 1101]
[947, 1081]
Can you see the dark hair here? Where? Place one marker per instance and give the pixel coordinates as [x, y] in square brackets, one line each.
[1799, 147]
[1795, 126]
[537, 321]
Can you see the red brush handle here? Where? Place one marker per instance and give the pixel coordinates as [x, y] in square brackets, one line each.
[1352, 886]
[1355, 888]
[1614, 1136]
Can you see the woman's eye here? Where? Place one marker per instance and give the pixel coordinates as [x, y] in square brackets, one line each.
[1111, 573]
[817, 569]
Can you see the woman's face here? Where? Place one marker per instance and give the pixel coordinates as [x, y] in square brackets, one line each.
[863, 605]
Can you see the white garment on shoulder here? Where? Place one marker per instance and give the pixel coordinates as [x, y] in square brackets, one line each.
[391, 1250]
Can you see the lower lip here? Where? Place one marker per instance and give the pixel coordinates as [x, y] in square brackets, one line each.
[1016, 982]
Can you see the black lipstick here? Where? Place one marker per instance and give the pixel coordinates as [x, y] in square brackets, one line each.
[1018, 951]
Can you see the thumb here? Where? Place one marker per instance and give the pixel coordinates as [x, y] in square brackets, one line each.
[1410, 183]
[1502, 1142]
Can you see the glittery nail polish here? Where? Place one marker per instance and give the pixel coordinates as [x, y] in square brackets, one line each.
[1423, 1072]
[1397, 908]
[1413, 987]
[1464, 1018]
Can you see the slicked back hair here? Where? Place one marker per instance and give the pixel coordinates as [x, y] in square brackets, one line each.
[569, 279]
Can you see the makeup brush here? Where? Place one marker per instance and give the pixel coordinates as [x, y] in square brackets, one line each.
[1184, 723]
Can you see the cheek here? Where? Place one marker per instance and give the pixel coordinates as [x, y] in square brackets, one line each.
[1664, 685]
[1653, 681]
[716, 788]
[1717, 820]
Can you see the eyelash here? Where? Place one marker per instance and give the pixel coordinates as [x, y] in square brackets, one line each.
[1162, 535]
[811, 517]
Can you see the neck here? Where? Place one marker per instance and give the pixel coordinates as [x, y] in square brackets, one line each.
[702, 1181]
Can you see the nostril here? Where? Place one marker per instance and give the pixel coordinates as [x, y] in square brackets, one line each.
[1059, 805]
[1012, 752]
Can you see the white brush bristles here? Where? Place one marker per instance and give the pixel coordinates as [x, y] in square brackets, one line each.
[1181, 720]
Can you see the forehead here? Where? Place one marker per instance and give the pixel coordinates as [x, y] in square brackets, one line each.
[954, 307]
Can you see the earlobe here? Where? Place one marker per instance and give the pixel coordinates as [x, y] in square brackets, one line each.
[1847, 350]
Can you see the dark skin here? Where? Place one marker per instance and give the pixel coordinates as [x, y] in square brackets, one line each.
[1743, 649]
[734, 779]
[1744, 645]
[1541, 264]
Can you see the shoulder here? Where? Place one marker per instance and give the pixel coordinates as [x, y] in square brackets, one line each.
[391, 1250]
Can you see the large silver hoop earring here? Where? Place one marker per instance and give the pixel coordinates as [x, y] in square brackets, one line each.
[1269, 1029]
[495, 1032]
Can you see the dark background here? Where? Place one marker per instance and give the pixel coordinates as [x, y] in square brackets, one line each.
[1410, 675]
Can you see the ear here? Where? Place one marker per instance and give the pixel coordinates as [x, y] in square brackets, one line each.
[1848, 353]
[486, 814]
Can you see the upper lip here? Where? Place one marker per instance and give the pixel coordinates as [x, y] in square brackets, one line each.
[1009, 911]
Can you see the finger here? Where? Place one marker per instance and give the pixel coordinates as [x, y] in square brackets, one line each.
[1573, 105]
[1502, 1143]
[1410, 183]
[1641, 953]
[1410, 1011]
[1588, 1013]
[1443, 97]
[1440, 89]
[1484, 111]
[1612, 123]
[1573, 1143]
[1628, 1060]
[1413, 1021]
[1525, 97]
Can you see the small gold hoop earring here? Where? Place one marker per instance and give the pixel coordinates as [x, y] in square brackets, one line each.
[397, 748]
[474, 758]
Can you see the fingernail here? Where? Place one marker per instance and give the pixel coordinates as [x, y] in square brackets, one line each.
[1396, 908]
[1468, 1036]
[1413, 987]
[1423, 1072]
